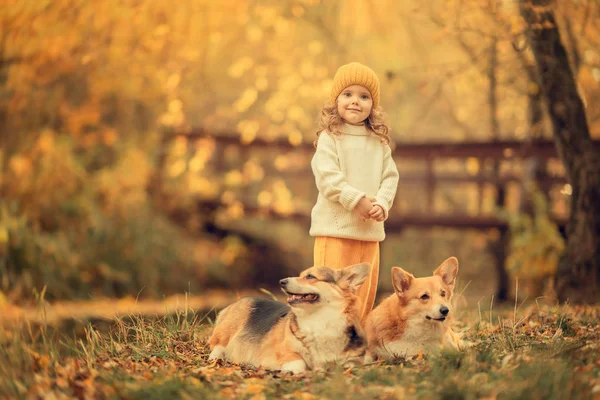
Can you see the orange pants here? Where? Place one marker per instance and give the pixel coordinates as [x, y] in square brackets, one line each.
[338, 253]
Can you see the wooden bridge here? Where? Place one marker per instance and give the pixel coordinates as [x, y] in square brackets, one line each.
[538, 162]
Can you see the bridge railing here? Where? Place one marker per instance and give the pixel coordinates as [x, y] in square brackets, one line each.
[486, 160]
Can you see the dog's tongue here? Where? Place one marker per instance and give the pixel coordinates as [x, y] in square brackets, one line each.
[301, 297]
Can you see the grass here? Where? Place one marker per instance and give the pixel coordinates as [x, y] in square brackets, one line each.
[549, 352]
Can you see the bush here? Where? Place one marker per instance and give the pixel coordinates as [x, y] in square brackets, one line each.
[83, 233]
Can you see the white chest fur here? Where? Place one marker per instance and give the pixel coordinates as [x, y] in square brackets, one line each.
[324, 334]
[420, 335]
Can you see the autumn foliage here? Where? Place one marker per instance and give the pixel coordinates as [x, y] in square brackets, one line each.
[89, 90]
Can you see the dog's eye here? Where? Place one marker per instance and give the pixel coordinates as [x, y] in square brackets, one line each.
[443, 294]
[425, 297]
[309, 276]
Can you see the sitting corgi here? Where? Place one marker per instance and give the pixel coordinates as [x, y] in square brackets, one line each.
[320, 324]
[416, 317]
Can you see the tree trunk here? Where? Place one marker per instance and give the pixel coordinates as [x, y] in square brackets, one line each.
[502, 243]
[578, 278]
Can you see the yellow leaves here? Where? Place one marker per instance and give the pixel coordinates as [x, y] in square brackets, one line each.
[261, 70]
[307, 69]
[124, 186]
[197, 163]
[315, 47]
[234, 248]
[253, 386]
[46, 174]
[45, 142]
[174, 115]
[134, 169]
[233, 178]
[283, 202]
[41, 362]
[180, 146]
[240, 67]
[266, 14]
[472, 166]
[295, 138]
[297, 11]
[302, 396]
[77, 119]
[420, 356]
[215, 38]
[109, 137]
[227, 197]
[86, 59]
[253, 172]
[173, 81]
[246, 100]
[290, 82]
[282, 163]
[355, 10]
[517, 25]
[261, 84]
[62, 382]
[161, 30]
[282, 26]
[3, 245]
[176, 168]
[265, 199]
[296, 114]
[277, 116]
[248, 130]
[204, 151]
[20, 166]
[254, 34]
[567, 190]
[202, 186]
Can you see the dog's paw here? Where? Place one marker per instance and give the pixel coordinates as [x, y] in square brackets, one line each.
[295, 367]
[369, 358]
[217, 353]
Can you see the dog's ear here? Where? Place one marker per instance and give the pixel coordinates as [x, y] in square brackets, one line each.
[401, 280]
[447, 271]
[354, 275]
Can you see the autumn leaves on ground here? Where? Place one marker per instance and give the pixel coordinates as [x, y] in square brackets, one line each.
[518, 352]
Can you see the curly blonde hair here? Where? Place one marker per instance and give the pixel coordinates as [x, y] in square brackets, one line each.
[330, 120]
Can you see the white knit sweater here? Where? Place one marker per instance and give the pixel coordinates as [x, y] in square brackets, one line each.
[346, 169]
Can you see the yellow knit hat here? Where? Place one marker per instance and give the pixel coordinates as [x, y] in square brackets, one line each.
[355, 74]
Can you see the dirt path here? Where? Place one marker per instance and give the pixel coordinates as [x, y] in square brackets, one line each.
[53, 313]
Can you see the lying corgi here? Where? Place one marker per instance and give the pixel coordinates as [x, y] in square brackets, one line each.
[320, 324]
[416, 317]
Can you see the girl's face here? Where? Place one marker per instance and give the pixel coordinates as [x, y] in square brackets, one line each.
[354, 104]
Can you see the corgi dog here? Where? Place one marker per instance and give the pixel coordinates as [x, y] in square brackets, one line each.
[416, 317]
[320, 323]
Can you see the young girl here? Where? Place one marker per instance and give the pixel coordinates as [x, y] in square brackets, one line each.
[355, 175]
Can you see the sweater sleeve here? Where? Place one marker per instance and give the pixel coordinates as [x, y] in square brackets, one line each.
[389, 183]
[329, 178]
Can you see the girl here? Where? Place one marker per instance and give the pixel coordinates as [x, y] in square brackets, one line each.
[355, 175]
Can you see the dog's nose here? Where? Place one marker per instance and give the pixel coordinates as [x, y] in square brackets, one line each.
[283, 282]
[444, 310]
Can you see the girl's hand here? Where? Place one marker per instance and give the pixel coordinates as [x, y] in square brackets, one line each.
[377, 213]
[363, 208]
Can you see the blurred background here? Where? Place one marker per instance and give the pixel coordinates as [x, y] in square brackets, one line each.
[150, 148]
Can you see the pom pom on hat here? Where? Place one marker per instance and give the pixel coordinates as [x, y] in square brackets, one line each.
[355, 74]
